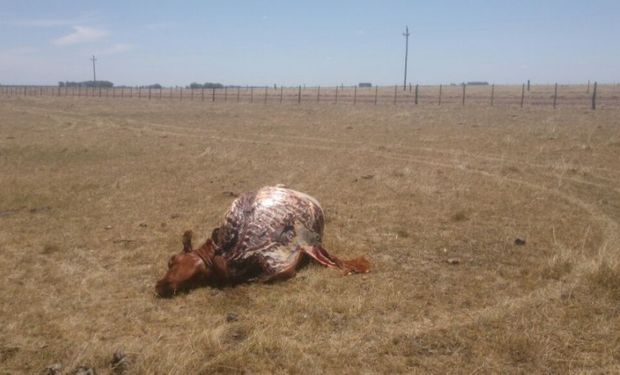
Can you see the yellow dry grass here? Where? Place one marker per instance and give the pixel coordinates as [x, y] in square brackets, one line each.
[95, 194]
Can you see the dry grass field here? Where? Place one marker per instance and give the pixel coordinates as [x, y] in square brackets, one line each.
[95, 194]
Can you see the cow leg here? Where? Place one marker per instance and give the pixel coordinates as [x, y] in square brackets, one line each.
[318, 253]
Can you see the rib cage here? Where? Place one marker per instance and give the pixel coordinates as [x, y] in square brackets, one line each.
[258, 235]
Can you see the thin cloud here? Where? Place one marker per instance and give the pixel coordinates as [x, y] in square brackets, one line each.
[81, 34]
[116, 48]
[84, 17]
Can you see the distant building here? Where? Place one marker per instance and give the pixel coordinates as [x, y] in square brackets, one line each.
[364, 84]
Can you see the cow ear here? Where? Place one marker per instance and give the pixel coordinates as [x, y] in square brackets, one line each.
[187, 241]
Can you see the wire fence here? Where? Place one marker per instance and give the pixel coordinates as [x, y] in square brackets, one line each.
[586, 96]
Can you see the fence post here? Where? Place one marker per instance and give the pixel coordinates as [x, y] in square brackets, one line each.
[416, 94]
[238, 93]
[202, 93]
[463, 98]
[440, 86]
[492, 95]
[252, 94]
[522, 94]
[281, 93]
[354, 95]
[149, 93]
[160, 91]
[528, 85]
[588, 90]
[395, 93]
[225, 94]
[376, 93]
[336, 99]
[555, 96]
[594, 96]
[299, 95]
[318, 94]
[213, 95]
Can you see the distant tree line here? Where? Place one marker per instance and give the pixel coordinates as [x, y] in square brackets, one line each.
[86, 84]
[206, 85]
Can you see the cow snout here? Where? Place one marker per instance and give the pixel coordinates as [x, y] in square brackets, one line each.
[164, 289]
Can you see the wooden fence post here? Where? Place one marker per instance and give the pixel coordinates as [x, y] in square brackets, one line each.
[522, 94]
[594, 96]
[225, 94]
[299, 95]
[376, 93]
[354, 95]
[238, 93]
[252, 94]
[555, 96]
[416, 94]
[336, 100]
[213, 95]
[528, 85]
[149, 93]
[492, 95]
[100, 91]
[463, 98]
[281, 93]
[440, 86]
[588, 90]
[202, 93]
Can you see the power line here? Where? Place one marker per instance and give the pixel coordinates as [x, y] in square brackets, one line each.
[94, 72]
[406, 35]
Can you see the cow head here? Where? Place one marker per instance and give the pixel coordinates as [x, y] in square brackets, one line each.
[186, 270]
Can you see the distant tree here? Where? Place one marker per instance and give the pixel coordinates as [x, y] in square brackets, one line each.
[211, 85]
[206, 85]
[86, 84]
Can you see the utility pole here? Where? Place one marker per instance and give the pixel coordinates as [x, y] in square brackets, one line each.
[406, 35]
[94, 73]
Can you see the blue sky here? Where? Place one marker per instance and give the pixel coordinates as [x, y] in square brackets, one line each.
[312, 42]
